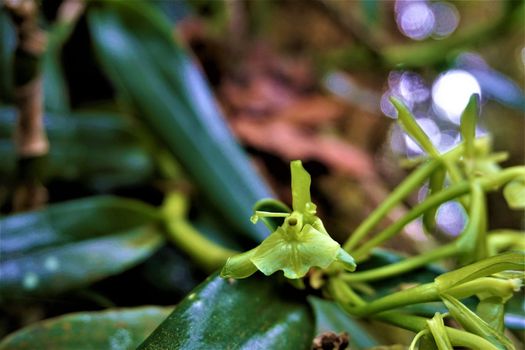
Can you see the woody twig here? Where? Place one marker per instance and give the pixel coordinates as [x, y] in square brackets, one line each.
[30, 138]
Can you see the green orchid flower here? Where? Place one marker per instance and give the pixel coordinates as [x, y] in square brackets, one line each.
[299, 243]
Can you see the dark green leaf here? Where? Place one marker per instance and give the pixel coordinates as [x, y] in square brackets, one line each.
[210, 225]
[170, 95]
[7, 48]
[515, 312]
[117, 329]
[492, 311]
[72, 244]
[97, 149]
[329, 317]
[243, 314]
[169, 274]
[271, 205]
[56, 94]
[371, 10]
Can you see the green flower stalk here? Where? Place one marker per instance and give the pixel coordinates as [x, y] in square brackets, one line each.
[301, 242]
[474, 324]
[436, 325]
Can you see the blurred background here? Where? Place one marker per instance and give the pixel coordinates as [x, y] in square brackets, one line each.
[305, 80]
[311, 80]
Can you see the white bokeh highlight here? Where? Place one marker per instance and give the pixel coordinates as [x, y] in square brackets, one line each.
[451, 92]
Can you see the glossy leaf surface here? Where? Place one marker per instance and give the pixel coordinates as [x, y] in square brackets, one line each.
[113, 329]
[515, 313]
[244, 314]
[56, 249]
[171, 97]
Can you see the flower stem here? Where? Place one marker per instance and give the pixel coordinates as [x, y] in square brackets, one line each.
[488, 183]
[429, 203]
[408, 264]
[419, 294]
[432, 292]
[414, 180]
[500, 240]
[472, 341]
[416, 324]
[206, 254]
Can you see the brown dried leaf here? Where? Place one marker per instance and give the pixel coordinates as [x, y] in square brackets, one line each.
[290, 142]
[313, 110]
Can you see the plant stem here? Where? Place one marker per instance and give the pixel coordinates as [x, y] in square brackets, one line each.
[207, 254]
[472, 243]
[503, 288]
[406, 321]
[453, 170]
[344, 294]
[416, 324]
[472, 341]
[500, 240]
[202, 251]
[409, 184]
[408, 264]
[408, 122]
[414, 180]
[431, 292]
[429, 203]
[454, 191]
[419, 294]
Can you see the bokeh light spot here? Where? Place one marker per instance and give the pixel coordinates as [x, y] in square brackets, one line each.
[451, 218]
[415, 19]
[446, 19]
[451, 92]
[412, 87]
[386, 106]
[449, 139]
